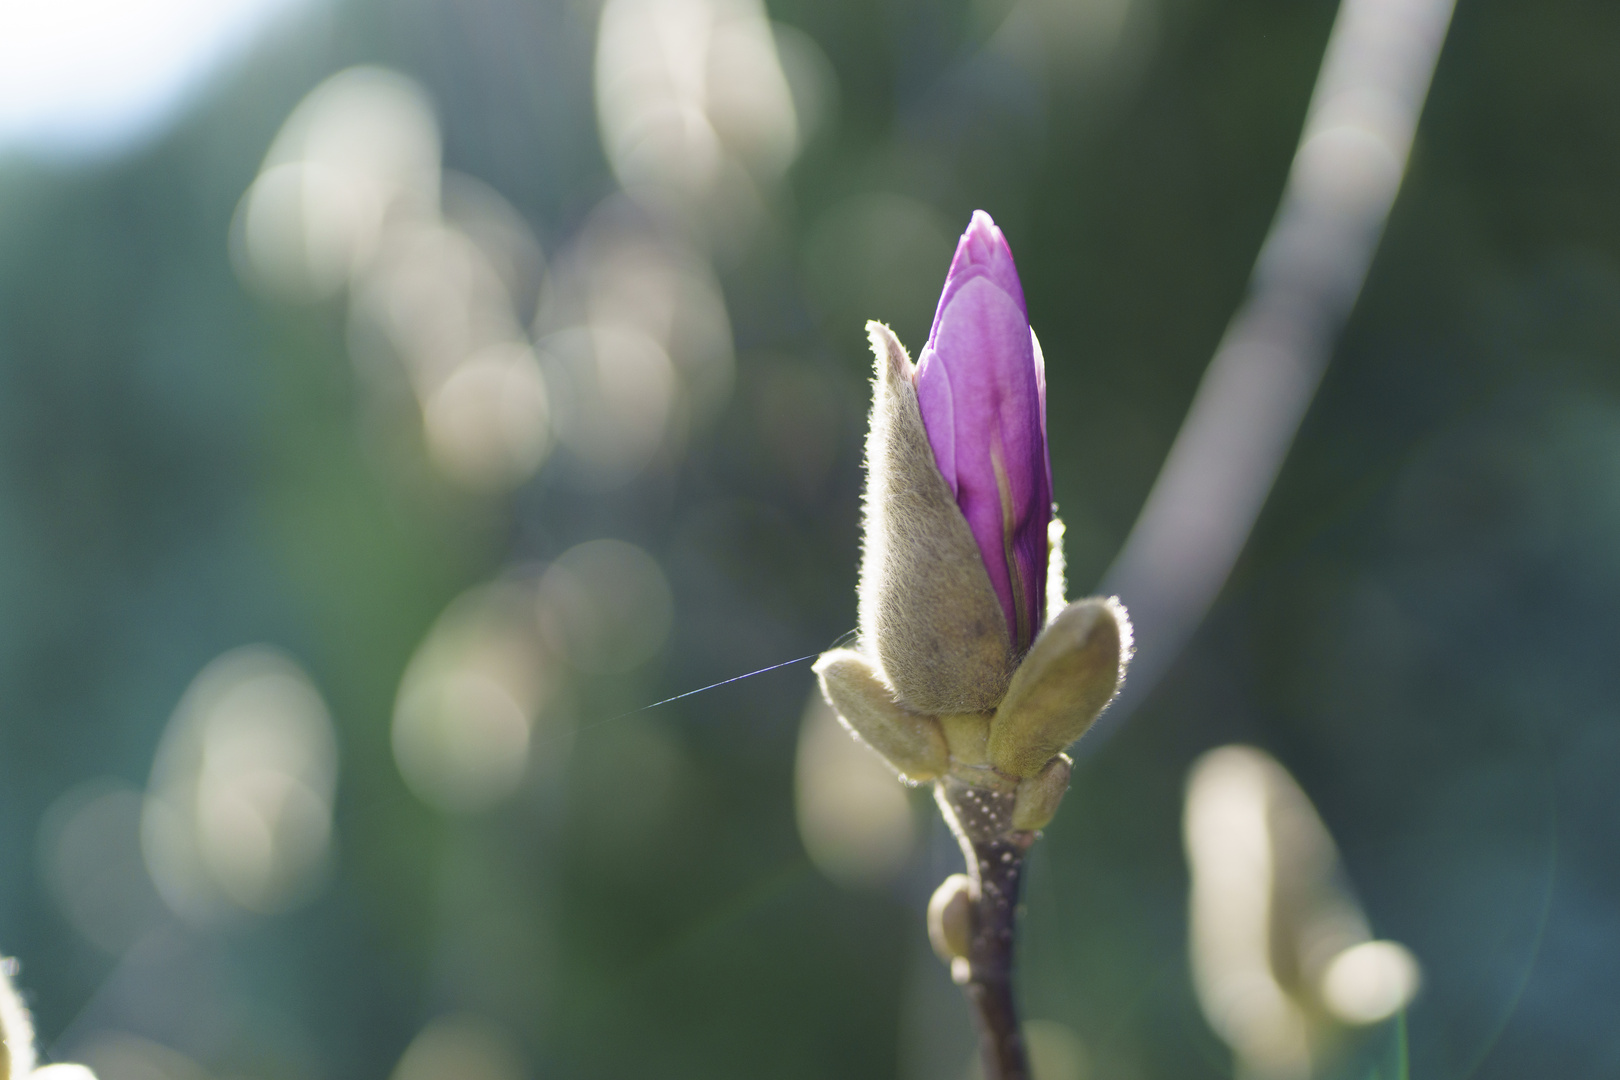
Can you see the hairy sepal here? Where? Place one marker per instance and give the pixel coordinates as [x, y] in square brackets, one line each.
[1068, 677]
[927, 607]
[912, 743]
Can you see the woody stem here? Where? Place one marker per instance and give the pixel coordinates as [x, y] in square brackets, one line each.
[981, 819]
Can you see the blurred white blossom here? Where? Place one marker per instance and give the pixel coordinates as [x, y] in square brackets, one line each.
[1282, 955]
[854, 818]
[605, 606]
[460, 1047]
[239, 807]
[469, 699]
[691, 96]
[439, 270]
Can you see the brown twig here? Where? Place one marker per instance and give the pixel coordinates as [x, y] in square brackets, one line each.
[981, 818]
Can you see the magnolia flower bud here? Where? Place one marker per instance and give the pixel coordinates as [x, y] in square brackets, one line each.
[981, 389]
[954, 582]
[960, 676]
[971, 670]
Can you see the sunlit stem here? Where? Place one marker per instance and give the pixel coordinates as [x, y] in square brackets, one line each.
[981, 817]
[1241, 423]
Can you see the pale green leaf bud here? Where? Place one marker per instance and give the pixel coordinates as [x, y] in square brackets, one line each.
[927, 607]
[1036, 801]
[1068, 677]
[950, 918]
[911, 742]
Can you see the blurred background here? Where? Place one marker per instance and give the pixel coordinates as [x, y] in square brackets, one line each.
[396, 395]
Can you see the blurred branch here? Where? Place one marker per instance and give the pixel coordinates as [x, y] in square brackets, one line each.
[1352, 153]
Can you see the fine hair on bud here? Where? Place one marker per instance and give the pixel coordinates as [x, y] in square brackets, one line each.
[1070, 675]
[928, 610]
[1057, 585]
[16, 1029]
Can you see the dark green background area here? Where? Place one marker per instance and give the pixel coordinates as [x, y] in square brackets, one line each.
[1424, 628]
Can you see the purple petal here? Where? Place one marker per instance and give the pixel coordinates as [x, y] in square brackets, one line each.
[981, 252]
[1040, 382]
[982, 397]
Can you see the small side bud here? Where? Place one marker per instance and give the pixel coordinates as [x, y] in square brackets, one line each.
[1036, 801]
[950, 918]
[63, 1072]
[911, 742]
[1070, 675]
